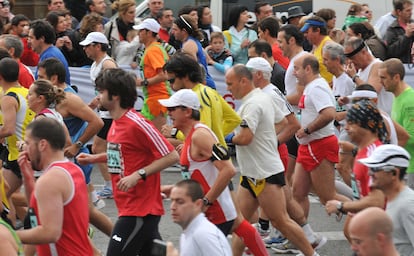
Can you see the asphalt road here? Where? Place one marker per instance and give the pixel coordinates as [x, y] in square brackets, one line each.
[319, 220]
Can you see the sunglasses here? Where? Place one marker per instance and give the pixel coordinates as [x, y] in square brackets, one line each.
[384, 168]
[174, 108]
[4, 4]
[171, 80]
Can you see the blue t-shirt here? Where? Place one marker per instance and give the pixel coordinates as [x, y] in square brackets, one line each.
[54, 52]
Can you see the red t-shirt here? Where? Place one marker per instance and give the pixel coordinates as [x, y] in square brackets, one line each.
[361, 171]
[133, 143]
[25, 77]
[278, 56]
[74, 239]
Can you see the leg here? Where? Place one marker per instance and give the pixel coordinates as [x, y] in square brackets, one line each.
[99, 220]
[280, 219]
[301, 187]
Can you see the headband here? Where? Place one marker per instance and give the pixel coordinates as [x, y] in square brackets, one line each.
[363, 94]
[354, 52]
[182, 23]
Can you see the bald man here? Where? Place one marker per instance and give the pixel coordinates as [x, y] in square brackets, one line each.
[371, 233]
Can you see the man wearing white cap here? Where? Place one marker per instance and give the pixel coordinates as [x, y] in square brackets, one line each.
[153, 78]
[95, 46]
[262, 71]
[208, 162]
[388, 165]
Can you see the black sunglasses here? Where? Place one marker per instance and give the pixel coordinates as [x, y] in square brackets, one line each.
[174, 108]
[171, 80]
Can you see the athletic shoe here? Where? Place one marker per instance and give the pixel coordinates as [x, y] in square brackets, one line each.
[320, 241]
[273, 240]
[301, 254]
[91, 232]
[262, 232]
[105, 193]
[99, 204]
[285, 247]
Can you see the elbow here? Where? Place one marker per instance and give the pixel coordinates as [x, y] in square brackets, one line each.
[52, 236]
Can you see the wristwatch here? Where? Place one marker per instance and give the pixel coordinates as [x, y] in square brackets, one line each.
[306, 130]
[174, 132]
[142, 173]
[340, 207]
[79, 144]
[354, 78]
[144, 82]
[206, 202]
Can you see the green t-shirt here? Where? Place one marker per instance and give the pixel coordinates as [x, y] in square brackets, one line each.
[403, 113]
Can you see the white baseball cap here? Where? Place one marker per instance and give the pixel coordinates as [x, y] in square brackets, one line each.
[184, 97]
[387, 155]
[94, 37]
[260, 64]
[150, 24]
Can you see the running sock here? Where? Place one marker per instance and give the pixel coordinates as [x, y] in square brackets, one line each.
[264, 224]
[251, 238]
[94, 196]
[108, 184]
[310, 234]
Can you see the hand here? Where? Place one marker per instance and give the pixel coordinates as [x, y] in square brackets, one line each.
[179, 148]
[343, 100]
[301, 133]
[68, 43]
[128, 182]
[171, 250]
[331, 207]
[71, 150]
[229, 138]
[409, 30]
[166, 130]
[24, 164]
[138, 82]
[59, 42]
[350, 69]
[94, 103]
[245, 43]
[84, 158]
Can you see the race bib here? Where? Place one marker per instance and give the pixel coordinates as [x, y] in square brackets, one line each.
[114, 155]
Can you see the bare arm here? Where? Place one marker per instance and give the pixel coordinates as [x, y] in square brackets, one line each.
[201, 148]
[325, 116]
[290, 128]
[9, 108]
[402, 135]
[295, 97]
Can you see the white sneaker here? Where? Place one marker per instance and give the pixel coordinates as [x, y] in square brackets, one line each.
[99, 204]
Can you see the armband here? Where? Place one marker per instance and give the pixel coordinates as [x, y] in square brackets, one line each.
[219, 153]
[244, 124]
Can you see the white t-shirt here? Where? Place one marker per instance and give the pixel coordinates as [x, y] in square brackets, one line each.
[316, 97]
[278, 98]
[385, 98]
[203, 238]
[290, 79]
[342, 86]
[259, 159]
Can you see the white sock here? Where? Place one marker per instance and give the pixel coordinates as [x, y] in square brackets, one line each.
[108, 184]
[94, 196]
[310, 235]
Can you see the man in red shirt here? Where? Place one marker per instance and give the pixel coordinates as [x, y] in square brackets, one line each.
[20, 28]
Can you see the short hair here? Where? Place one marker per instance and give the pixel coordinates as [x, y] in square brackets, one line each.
[118, 82]
[293, 31]
[323, 29]
[365, 87]
[234, 14]
[42, 28]
[89, 23]
[18, 18]
[160, 13]
[53, 94]
[326, 14]
[182, 65]
[88, 4]
[216, 35]
[4, 53]
[261, 46]
[312, 61]
[260, 5]
[187, 23]
[399, 4]
[194, 189]
[394, 67]
[355, 42]
[364, 28]
[186, 9]
[54, 66]
[50, 130]
[53, 17]
[242, 71]
[270, 24]
[9, 69]
[336, 51]
[12, 41]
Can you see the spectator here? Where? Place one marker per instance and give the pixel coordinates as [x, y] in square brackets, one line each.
[354, 14]
[98, 7]
[365, 31]
[295, 13]
[367, 12]
[400, 34]
[205, 23]
[20, 27]
[262, 10]
[239, 36]
[155, 6]
[218, 56]
[5, 15]
[166, 19]
[59, 5]
[116, 30]
[329, 15]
